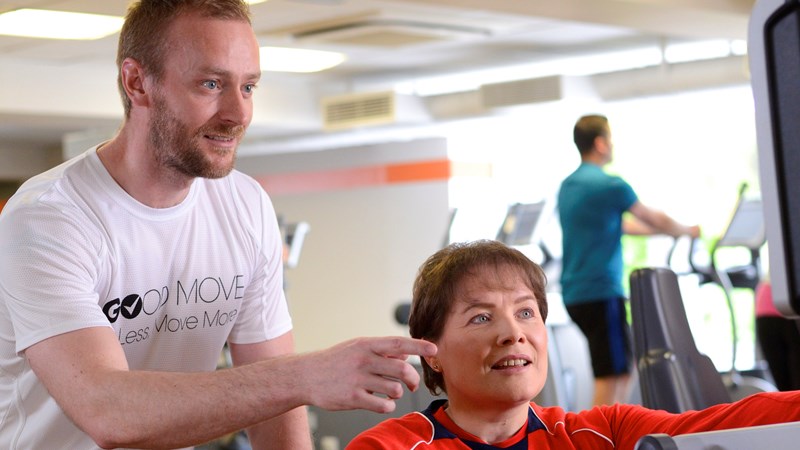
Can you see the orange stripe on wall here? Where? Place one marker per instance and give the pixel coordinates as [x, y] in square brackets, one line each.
[352, 178]
[419, 171]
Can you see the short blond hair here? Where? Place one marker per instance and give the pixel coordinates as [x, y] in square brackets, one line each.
[144, 34]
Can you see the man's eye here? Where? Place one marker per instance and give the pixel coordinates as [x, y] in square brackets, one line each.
[250, 88]
[211, 84]
[527, 314]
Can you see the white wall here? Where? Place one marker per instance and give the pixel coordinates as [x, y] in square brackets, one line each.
[365, 245]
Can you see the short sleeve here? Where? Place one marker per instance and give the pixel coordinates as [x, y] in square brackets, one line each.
[623, 193]
[47, 273]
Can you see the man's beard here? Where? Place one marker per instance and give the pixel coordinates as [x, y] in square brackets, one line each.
[179, 149]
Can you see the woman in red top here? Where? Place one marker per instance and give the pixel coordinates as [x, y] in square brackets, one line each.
[484, 306]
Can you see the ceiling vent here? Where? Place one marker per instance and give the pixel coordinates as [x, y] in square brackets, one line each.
[370, 109]
[374, 29]
[535, 90]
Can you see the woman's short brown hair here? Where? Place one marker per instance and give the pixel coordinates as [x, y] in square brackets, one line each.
[440, 277]
[144, 36]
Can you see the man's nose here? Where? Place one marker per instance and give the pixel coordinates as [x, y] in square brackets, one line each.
[236, 109]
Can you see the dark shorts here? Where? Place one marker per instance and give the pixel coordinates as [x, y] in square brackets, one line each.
[605, 325]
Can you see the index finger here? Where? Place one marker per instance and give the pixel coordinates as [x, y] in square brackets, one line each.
[397, 346]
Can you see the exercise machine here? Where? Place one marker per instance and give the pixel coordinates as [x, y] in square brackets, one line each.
[745, 230]
[782, 435]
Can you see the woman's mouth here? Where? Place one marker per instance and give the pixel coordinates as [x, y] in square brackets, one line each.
[511, 363]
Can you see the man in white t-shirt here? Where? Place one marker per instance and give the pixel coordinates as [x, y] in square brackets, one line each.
[125, 270]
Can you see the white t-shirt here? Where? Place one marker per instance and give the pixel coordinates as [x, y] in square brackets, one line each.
[77, 251]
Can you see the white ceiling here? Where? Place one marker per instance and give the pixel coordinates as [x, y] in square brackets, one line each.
[49, 88]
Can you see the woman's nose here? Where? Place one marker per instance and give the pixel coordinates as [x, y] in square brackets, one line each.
[510, 332]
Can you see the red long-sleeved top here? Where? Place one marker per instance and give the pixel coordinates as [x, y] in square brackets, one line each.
[605, 427]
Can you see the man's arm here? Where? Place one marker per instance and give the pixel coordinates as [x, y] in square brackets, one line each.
[635, 227]
[290, 430]
[87, 374]
[658, 222]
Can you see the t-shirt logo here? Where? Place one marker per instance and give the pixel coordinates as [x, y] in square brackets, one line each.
[129, 307]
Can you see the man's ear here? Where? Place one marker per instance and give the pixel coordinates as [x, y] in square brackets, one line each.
[601, 145]
[133, 81]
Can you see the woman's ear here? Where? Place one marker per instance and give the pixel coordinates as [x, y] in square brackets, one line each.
[433, 362]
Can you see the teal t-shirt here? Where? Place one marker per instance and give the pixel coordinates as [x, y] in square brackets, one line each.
[590, 205]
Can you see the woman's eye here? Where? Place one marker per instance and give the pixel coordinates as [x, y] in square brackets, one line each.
[483, 318]
[527, 314]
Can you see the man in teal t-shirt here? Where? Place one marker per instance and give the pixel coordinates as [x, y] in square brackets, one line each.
[591, 205]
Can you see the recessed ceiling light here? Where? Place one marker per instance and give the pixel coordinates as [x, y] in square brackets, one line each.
[697, 50]
[40, 23]
[283, 59]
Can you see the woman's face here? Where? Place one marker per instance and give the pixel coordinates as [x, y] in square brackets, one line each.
[493, 349]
